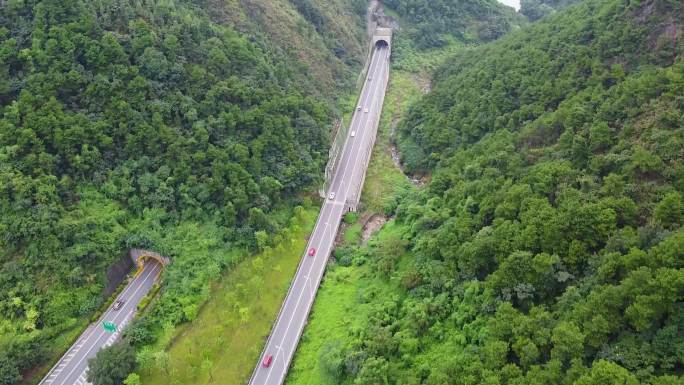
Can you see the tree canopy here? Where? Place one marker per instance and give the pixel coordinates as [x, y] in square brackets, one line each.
[467, 20]
[547, 246]
[112, 365]
[139, 124]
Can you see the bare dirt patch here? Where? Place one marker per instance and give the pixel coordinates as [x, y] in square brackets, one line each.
[372, 225]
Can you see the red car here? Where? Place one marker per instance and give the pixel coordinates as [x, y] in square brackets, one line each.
[312, 252]
[267, 361]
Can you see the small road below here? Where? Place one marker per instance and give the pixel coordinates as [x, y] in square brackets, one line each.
[72, 367]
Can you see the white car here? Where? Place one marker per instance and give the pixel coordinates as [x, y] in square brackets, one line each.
[358, 108]
[353, 134]
[366, 109]
[331, 196]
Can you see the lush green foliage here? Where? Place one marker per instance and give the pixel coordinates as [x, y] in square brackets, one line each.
[547, 248]
[321, 41]
[536, 9]
[470, 21]
[224, 341]
[112, 365]
[127, 124]
[559, 75]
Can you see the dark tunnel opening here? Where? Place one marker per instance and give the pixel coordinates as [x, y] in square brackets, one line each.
[381, 43]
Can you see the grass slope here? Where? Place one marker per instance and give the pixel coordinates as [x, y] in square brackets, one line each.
[343, 304]
[224, 341]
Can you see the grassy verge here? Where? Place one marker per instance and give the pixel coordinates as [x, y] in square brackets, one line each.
[223, 343]
[352, 234]
[329, 324]
[343, 305]
[384, 178]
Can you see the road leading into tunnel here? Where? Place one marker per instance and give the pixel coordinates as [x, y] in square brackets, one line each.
[346, 183]
[72, 367]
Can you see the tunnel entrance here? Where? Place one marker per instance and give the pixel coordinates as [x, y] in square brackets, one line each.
[382, 37]
[141, 256]
[381, 43]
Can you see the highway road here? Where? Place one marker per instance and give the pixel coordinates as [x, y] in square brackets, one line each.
[71, 368]
[346, 182]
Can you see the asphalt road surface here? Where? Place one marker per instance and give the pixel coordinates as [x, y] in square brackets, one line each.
[294, 312]
[71, 368]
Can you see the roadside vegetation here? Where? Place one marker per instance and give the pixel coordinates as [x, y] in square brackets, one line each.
[343, 301]
[223, 341]
[547, 246]
[343, 304]
[176, 126]
[384, 179]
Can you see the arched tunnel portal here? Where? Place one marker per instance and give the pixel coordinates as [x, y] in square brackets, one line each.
[382, 36]
[381, 43]
[142, 256]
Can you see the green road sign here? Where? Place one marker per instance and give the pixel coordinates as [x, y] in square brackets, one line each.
[109, 326]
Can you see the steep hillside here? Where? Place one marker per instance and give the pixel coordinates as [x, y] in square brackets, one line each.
[432, 22]
[323, 41]
[160, 124]
[547, 247]
[536, 9]
[527, 81]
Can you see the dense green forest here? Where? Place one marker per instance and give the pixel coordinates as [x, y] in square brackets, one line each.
[536, 9]
[433, 21]
[548, 246]
[159, 124]
[321, 41]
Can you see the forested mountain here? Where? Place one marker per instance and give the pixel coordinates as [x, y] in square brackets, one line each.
[536, 9]
[466, 20]
[321, 41]
[548, 247]
[160, 124]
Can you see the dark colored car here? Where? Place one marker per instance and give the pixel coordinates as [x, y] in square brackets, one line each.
[118, 304]
[267, 361]
[312, 252]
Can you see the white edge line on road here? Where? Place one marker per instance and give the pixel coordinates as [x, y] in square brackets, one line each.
[84, 356]
[374, 92]
[318, 222]
[88, 333]
[330, 246]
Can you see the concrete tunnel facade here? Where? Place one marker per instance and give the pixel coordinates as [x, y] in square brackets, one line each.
[140, 256]
[382, 36]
